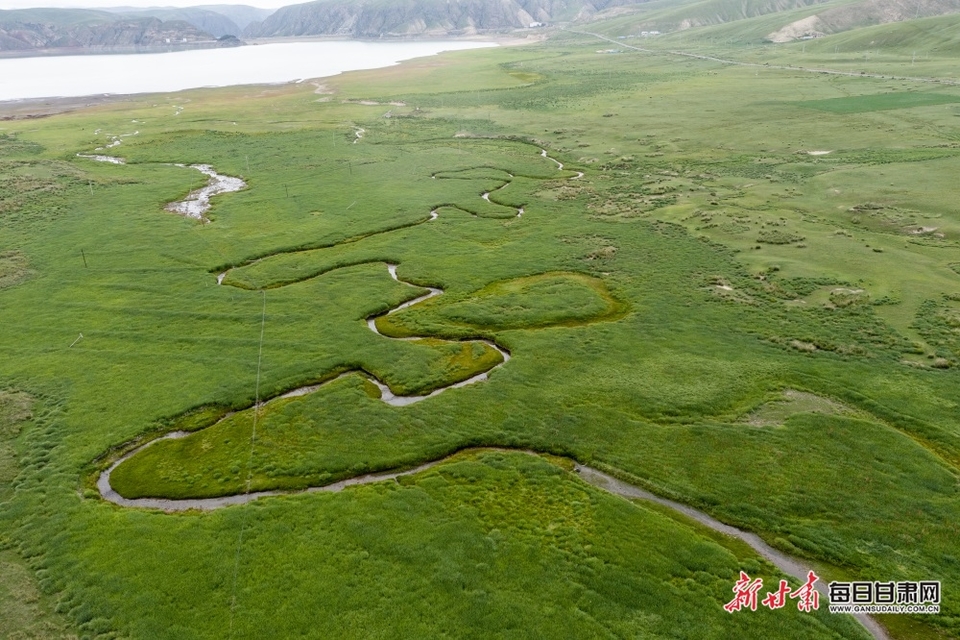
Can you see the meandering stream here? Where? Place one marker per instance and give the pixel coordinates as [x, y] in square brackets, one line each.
[198, 202]
[790, 566]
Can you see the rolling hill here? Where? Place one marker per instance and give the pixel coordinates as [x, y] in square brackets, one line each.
[782, 21]
[375, 18]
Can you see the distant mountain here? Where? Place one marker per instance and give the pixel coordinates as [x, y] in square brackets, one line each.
[241, 14]
[59, 17]
[213, 23]
[374, 18]
[219, 20]
[30, 30]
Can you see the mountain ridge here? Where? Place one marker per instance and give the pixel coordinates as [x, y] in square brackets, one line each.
[377, 18]
[216, 24]
[34, 30]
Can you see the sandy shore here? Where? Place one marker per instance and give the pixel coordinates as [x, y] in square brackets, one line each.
[43, 107]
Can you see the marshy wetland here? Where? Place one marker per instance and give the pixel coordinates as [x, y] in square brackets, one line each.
[646, 264]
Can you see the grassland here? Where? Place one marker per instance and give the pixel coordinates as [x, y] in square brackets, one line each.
[704, 263]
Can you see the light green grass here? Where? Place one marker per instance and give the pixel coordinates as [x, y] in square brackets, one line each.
[686, 164]
[792, 402]
[26, 602]
[549, 299]
[880, 102]
[27, 612]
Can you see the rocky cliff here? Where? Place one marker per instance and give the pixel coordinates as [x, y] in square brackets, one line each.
[29, 30]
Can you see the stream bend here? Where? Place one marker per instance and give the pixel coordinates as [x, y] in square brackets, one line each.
[198, 202]
[791, 566]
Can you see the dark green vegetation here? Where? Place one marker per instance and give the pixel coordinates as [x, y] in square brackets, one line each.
[645, 325]
[27, 612]
[880, 102]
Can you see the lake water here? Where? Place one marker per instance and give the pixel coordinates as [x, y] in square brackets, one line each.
[83, 75]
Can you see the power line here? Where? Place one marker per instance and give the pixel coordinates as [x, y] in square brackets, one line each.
[253, 441]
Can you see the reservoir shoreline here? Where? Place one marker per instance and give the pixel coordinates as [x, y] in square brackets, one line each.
[37, 86]
[499, 38]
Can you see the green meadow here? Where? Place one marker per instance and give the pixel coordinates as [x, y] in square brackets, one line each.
[748, 302]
